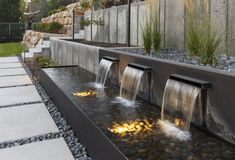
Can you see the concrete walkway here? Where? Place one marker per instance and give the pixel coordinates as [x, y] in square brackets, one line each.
[24, 115]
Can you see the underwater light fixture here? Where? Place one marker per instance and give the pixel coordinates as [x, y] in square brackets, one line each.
[89, 93]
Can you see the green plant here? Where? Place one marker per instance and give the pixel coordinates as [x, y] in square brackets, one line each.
[156, 34]
[44, 61]
[53, 27]
[201, 39]
[60, 9]
[153, 7]
[147, 36]
[95, 20]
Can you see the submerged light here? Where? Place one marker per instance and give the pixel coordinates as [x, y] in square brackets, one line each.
[85, 94]
[133, 127]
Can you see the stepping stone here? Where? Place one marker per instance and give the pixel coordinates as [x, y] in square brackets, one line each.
[24, 122]
[18, 95]
[9, 59]
[9, 81]
[12, 71]
[10, 65]
[55, 149]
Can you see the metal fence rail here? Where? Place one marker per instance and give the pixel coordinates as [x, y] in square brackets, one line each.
[11, 31]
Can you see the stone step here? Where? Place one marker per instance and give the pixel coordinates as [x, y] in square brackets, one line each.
[18, 95]
[25, 121]
[55, 149]
[12, 72]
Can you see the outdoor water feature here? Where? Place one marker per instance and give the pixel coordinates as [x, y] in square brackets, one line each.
[135, 131]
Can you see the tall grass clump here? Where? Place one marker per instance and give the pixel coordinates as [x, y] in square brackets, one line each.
[151, 29]
[201, 39]
[147, 36]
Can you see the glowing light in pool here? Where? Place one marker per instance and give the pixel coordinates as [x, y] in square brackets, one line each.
[135, 127]
[179, 122]
[85, 94]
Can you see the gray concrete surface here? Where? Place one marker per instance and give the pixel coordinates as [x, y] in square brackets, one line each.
[12, 71]
[71, 53]
[15, 80]
[18, 95]
[55, 149]
[25, 121]
[10, 65]
[9, 59]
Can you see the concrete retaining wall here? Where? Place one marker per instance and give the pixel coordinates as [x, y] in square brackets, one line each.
[71, 53]
[172, 23]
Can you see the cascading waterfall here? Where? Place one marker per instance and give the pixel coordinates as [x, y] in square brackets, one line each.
[103, 70]
[177, 108]
[130, 84]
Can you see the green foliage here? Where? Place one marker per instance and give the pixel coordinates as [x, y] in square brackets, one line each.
[44, 61]
[11, 49]
[85, 4]
[95, 20]
[201, 39]
[156, 33]
[147, 36]
[60, 9]
[53, 27]
[9, 10]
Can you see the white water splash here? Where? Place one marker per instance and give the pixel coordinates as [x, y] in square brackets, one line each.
[172, 131]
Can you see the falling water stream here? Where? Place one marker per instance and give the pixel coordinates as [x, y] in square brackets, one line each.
[130, 85]
[103, 70]
[177, 108]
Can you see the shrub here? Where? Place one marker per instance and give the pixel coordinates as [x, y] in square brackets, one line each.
[60, 9]
[153, 7]
[201, 39]
[147, 36]
[53, 27]
[44, 61]
[95, 20]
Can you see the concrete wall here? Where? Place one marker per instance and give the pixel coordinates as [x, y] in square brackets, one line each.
[220, 104]
[71, 53]
[172, 23]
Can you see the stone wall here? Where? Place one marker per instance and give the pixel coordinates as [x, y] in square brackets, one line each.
[64, 18]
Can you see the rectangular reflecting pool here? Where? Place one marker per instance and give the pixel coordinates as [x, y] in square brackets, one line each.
[134, 131]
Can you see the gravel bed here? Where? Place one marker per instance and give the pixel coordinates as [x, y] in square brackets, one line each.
[225, 62]
[77, 148]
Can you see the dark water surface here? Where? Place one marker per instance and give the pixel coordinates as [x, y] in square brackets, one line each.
[135, 130]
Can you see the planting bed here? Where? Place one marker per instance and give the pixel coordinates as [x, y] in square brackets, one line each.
[225, 62]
